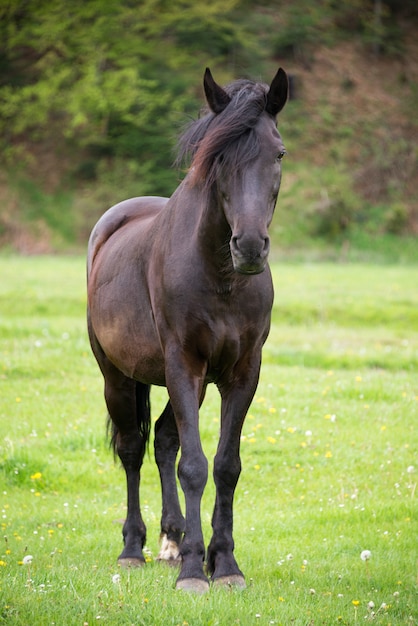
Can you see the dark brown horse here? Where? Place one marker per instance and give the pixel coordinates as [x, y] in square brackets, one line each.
[180, 295]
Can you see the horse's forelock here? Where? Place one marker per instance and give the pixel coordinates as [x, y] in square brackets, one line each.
[226, 140]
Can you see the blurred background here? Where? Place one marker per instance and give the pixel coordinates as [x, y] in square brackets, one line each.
[93, 94]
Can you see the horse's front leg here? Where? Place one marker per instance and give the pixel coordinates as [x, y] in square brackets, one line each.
[185, 384]
[236, 400]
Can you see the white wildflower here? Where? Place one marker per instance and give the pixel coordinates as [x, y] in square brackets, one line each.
[365, 555]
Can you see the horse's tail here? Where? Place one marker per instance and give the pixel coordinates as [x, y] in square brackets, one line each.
[143, 418]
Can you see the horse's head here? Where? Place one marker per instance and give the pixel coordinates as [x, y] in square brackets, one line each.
[246, 162]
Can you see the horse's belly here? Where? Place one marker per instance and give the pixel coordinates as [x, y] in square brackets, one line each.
[137, 355]
[123, 323]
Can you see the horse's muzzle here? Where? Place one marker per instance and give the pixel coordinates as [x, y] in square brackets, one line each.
[249, 255]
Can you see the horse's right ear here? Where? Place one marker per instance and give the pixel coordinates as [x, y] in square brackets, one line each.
[217, 97]
[277, 95]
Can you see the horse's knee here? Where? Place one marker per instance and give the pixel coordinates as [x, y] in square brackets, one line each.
[226, 471]
[193, 473]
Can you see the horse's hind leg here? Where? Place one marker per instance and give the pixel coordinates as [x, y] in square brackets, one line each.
[128, 405]
[166, 444]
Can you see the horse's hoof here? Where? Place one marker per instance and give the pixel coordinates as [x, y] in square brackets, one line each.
[193, 585]
[127, 562]
[235, 581]
[170, 562]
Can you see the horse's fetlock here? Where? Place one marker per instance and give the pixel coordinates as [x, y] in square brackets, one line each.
[193, 552]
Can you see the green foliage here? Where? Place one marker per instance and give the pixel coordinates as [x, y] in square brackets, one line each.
[54, 209]
[93, 95]
[328, 452]
[352, 193]
[305, 24]
[113, 77]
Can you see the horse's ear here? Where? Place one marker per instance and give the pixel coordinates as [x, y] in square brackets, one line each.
[277, 95]
[217, 97]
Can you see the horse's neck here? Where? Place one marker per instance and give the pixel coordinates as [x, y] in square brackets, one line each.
[199, 213]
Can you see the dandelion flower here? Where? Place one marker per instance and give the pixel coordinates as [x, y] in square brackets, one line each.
[410, 469]
[365, 555]
[371, 605]
[27, 560]
[116, 579]
[312, 592]
[289, 557]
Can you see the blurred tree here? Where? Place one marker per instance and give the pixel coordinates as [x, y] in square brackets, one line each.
[113, 76]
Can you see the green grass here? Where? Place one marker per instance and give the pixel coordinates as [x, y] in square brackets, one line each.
[329, 457]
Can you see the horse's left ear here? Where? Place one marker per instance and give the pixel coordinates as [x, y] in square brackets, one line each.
[277, 95]
[217, 97]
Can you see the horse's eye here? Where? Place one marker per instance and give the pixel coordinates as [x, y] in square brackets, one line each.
[280, 155]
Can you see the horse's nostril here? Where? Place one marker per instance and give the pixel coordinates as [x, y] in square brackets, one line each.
[234, 242]
[266, 244]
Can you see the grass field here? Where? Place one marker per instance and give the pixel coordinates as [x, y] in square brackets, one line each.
[329, 451]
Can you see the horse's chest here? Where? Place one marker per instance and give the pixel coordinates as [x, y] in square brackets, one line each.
[227, 335]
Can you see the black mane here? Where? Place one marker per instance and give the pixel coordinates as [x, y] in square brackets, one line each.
[225, 141]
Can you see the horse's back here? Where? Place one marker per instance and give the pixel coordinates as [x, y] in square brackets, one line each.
[135, 209]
